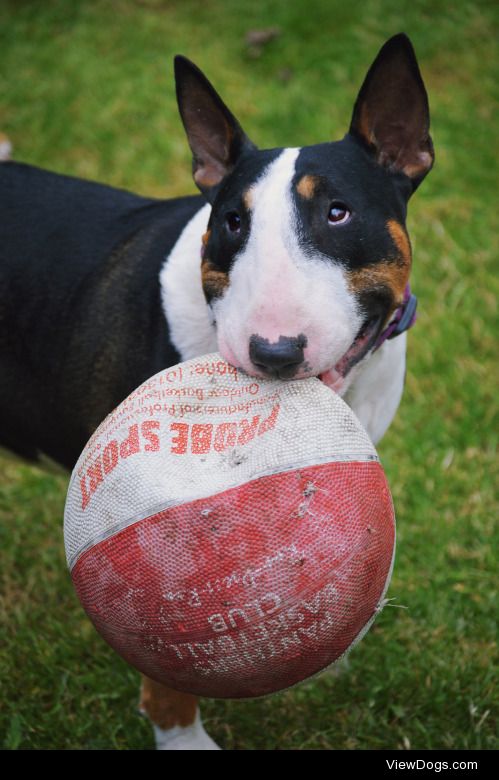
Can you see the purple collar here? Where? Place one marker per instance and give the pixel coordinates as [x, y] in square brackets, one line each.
[405, 317]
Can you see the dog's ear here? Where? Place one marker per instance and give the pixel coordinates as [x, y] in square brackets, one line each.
[215, 136]
[391, 115]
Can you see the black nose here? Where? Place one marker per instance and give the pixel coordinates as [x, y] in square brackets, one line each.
[280, 359]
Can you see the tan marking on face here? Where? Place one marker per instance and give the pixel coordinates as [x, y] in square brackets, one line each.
[213, 280]
[383, 275]
[392, 273]
[306, 186]
[206, 237]
[249, 198]
[166, 708]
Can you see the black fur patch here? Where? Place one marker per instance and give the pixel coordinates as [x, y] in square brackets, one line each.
[344, 172]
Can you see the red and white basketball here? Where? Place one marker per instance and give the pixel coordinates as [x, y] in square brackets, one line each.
[230, 536]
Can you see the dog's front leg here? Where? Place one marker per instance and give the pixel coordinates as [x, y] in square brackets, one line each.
[175, 718]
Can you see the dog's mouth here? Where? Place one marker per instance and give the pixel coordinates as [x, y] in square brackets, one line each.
[363, 342]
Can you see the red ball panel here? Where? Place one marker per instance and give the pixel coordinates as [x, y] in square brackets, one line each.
[248, 591]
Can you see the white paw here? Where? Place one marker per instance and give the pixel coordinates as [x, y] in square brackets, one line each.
[192, 737]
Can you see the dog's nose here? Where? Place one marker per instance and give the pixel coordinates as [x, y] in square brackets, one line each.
[280, 359]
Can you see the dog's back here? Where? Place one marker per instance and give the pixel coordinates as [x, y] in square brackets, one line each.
[67, 248]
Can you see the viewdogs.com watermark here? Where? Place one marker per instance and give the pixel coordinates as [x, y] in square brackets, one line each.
[435, 766]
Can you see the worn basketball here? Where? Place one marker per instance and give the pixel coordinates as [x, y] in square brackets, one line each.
[230, 536]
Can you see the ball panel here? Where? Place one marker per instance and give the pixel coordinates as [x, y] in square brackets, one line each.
[196, 429]
[251, 590]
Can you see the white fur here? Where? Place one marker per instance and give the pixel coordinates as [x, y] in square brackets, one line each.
[191, 325]
[376, 391]
[192, 737]
[279, 289]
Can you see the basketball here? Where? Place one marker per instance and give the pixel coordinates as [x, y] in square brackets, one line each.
[230, 536]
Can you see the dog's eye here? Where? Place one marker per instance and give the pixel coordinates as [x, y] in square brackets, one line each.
[233, 222]
[338, 213]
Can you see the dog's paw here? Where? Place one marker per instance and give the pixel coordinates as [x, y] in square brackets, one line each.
[192, 737]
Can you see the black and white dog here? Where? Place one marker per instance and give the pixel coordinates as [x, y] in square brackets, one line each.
[292, 263]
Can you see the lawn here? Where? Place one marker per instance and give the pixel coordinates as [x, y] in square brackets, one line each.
[86, 89]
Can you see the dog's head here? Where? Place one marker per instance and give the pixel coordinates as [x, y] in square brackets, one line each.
[306, 255]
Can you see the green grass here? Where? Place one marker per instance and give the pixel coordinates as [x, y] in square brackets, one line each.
[86, 88]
